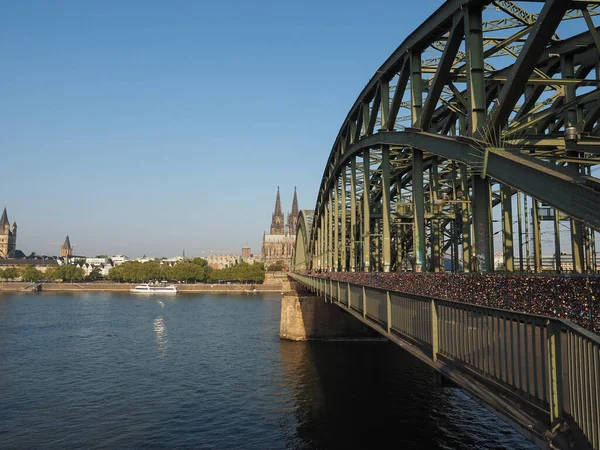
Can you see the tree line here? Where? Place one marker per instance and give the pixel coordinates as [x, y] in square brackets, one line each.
[30, 273]
[191, 271]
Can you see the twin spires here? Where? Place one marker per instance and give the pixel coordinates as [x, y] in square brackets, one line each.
[278, 221]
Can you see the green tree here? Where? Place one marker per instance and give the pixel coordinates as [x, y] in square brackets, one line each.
[10, 273]
[94, 275]
[65, 273]
[242, 272]
[30, 273]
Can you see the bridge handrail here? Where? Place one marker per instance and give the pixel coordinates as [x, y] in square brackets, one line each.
[551, 364]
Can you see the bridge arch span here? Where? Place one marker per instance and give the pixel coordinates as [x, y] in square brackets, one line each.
[301, 252]
[485, 110]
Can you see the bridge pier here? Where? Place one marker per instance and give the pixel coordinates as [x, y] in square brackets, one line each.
[305, 316]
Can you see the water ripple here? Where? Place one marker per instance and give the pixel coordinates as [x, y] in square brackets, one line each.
[209, 372]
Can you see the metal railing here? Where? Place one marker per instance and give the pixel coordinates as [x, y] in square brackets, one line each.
[550, 364]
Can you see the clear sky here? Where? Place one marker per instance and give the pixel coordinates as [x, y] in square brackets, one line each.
[146, 127]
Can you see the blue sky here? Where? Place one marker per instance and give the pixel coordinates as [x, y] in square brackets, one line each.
[148, 127]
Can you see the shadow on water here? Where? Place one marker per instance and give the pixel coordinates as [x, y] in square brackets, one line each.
[366, 394]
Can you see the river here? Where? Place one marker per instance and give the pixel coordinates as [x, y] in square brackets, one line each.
[206, 371]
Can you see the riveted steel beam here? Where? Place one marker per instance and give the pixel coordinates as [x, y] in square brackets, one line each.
[545, 26]
[385, 208]
[575, 194]
[443, 71]
[366, 217]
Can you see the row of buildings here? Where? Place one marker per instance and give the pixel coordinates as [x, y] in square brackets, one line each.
[277, 246]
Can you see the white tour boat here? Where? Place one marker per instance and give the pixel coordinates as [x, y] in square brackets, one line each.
[150, 289]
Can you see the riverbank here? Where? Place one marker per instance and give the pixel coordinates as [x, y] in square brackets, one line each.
[124, 287]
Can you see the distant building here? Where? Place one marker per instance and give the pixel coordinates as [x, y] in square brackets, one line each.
[144, 259]
[96, 261]
[40, 264]
[252, 259]
[222, 261]
[66, 250]
[8, 237]
[119, 259]
[172, 261]
[279, 243]
[245, 253]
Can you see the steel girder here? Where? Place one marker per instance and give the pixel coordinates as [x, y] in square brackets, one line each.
[573, 193]
[302, 253]
[503, 122]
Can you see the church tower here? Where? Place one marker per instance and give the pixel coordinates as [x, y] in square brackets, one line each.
[277, 225]
[8, 238]
[66, 250]
[292, 218]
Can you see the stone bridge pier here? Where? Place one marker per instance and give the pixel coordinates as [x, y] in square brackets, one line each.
[306, 316]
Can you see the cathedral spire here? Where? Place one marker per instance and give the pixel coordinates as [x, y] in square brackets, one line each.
[4, 220]
[292, 219]
[278, 203]
[277, 225]
[295, 204]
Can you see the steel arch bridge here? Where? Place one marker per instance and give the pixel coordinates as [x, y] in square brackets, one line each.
[484, 107]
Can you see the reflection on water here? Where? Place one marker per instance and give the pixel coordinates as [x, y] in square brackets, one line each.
[219, 378]
[161, 335]
[355, 394]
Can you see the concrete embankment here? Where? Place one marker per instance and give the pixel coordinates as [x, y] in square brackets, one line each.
[124, 287]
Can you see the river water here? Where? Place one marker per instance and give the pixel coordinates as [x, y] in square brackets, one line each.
[105, 370]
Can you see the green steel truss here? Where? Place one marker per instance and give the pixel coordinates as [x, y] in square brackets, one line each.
[486, 106]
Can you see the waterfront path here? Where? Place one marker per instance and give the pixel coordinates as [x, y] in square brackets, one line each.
[124, 287]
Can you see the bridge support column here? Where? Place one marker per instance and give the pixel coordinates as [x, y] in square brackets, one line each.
[353, 214]
[343, 237]
[418, 210]
[366, 210]
[557, 256]
[465, 218]
[304, 316]
[537, 238]
[507, 231]
[336, 233]
[436, 240]
[329, 221]
[482, 220]
[577, 245]
[385, 208]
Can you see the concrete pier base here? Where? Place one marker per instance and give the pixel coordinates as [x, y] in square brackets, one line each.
[304, 316]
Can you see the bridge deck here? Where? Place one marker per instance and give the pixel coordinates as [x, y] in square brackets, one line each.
[540, 374]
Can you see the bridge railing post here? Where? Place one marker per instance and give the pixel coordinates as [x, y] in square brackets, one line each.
[435, 336]
[349, 296]
[364, 302]
[555, 385]
[339, 296]
[388, 308]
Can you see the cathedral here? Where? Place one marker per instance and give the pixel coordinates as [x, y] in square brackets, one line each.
[8, 237]
[278, 244]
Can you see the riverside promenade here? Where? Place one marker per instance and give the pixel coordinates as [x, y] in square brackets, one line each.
[124, 287]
